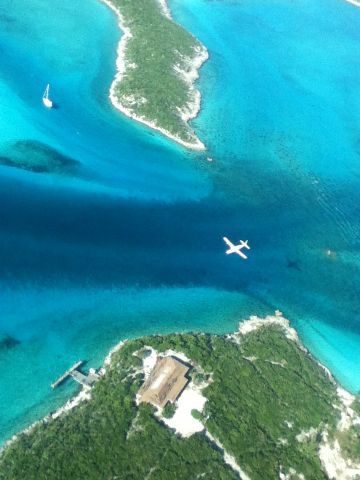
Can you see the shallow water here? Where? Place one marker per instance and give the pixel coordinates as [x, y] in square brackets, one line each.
[128, 241]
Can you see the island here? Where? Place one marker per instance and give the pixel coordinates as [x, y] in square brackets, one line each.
[157, 65]
[251, 405]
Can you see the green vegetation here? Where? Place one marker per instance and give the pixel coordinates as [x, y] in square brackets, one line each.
[196, 414]
[263, 391]
[250, 401]
[169, 410]
[349, 441]
[109, 437]
[151, 88]
[356, 406]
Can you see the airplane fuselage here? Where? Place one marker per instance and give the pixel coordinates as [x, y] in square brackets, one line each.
[236, 248]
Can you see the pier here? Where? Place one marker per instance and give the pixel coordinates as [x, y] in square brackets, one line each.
[66, 374]
[84, 380]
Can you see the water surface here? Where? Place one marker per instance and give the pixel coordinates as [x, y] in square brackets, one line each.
[122, 234]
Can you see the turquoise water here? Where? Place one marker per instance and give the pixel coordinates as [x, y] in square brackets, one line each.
[123, 238]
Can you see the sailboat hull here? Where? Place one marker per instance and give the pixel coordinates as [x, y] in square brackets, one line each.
[47, 102]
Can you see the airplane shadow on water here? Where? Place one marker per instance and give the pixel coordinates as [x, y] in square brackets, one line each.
[294, 264]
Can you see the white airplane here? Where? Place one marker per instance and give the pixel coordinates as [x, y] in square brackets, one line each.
[236, 248]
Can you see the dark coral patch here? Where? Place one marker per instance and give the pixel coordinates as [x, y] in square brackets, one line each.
[7, 342]
[37, 157]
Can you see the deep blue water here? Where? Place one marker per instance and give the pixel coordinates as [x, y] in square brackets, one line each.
[128, 242]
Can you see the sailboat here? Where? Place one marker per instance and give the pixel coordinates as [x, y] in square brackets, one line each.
[46, 100]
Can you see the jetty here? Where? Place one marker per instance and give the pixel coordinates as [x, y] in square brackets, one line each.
[84, 380]
[66, 374]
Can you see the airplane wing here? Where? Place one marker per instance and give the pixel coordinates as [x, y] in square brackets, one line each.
[242, 255]
[227, 241]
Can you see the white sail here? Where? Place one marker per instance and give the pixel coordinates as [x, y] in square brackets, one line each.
[46, 100]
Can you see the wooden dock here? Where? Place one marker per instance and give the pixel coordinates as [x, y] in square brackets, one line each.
[66, 374]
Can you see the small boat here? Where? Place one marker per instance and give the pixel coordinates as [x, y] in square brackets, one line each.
[46, 100]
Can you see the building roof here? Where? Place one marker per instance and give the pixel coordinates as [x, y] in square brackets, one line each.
[165, 383]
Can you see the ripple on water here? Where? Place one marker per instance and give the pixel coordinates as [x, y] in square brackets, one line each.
[130, 240]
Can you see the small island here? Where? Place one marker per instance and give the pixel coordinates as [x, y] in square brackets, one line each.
[250, 405]
[157, 66]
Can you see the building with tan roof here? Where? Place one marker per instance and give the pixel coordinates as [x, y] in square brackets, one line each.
[165, 383]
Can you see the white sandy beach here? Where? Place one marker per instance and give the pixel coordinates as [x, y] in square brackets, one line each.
[165, 8]
[116, 348]
[354, 2]
[255, 323]
[189, 112]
